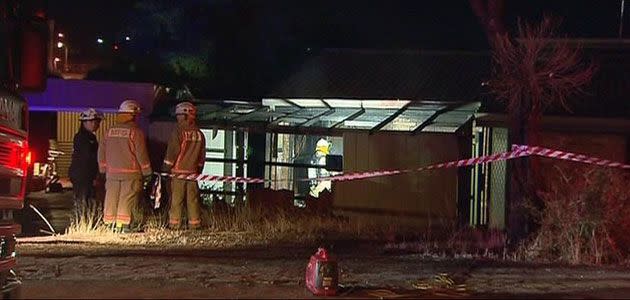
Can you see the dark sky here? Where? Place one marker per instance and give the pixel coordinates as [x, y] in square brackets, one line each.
[258, 42]
[87, 19]
[367, 24]
[83, 21]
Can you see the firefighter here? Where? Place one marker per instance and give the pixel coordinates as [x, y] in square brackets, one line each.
[322, 149]
[123, 158]
[185, 154]
[84, 166]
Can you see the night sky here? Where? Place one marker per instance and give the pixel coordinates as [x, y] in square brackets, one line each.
[364, 24]
[256, 43]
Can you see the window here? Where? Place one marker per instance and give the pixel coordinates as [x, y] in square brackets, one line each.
[222, 159]
[293, 159]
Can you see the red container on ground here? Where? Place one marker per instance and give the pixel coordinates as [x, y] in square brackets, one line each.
[322, 274]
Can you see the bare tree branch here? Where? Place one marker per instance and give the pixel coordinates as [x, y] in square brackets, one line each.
[537, 70]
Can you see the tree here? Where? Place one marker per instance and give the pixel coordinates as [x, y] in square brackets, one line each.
[170, 43]
[534, 72]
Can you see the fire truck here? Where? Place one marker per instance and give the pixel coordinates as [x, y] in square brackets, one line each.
[24, 48]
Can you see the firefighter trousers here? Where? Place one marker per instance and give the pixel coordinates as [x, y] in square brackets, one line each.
[189, 190]
[121, 196]
[85, 208]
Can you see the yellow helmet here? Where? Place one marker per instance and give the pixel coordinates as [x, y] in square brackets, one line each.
[323, 146]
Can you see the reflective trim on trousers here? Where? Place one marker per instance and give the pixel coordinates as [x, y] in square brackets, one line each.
[123, 218]
[109, 218]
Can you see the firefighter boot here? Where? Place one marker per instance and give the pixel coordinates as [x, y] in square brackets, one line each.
[194, 226]
[123, 228]
[172, 226]
[126, 229]
[136, 228]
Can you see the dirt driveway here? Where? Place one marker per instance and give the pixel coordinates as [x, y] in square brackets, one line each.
[69, 271]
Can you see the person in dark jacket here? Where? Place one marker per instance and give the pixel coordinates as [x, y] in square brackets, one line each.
[84, 166]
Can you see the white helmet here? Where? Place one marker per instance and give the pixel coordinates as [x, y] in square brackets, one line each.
[90, 114]
[186, 108]
[129, 106]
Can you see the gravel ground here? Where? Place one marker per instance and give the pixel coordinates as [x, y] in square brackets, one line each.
[80, 270]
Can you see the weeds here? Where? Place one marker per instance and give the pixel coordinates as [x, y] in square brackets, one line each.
[232, 227]
[584, 219]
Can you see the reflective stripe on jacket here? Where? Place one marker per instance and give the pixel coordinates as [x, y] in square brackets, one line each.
[186, 151]
[123, 153]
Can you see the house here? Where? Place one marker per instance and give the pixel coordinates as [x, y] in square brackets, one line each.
[380, 109]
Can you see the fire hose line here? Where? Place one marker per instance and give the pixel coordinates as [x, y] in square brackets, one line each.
[43, 218]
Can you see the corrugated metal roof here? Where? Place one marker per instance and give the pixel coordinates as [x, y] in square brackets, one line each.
[336, 116]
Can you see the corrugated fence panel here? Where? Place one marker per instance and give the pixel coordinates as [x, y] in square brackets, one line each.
[67, 126]
[498, 179]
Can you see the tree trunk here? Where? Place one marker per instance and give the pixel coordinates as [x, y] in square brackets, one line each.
[517, 219]
[522, 191]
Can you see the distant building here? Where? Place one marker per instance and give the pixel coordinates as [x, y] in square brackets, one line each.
[54, 113]
[380, 109]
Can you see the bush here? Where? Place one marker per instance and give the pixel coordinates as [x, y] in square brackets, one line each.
[584, 219]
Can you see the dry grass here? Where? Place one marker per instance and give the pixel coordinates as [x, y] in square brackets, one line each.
[453, 242]
[584, 220]
[233, 227]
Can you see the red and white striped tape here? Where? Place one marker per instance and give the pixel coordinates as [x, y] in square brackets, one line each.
[517, 151]
[557, 154]
[458, 163]
[202, 177]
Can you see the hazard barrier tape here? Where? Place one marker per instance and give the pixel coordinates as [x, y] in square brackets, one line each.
[355, 176]
[557, 154]
[202, 177]
[517, 151]
[458, 163]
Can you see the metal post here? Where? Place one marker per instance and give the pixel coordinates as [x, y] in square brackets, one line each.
[65, 62]
[240, 166]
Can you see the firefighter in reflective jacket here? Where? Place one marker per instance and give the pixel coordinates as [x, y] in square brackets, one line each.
[124, 159]
[185, 154]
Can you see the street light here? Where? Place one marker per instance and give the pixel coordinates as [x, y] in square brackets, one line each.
[60, 35]
[99, 40]
[127, 38]
[59, 44]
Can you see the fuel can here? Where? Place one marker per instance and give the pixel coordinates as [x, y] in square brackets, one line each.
[322, 274]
